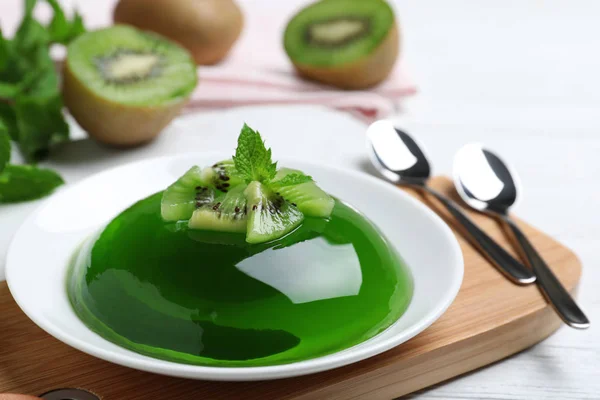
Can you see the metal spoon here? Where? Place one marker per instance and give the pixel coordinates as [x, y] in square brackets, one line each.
[398, 158]
[485, 183]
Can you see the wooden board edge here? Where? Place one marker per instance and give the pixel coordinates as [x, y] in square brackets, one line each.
[454, 360]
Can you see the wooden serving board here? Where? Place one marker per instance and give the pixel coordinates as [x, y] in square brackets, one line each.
[490, 319]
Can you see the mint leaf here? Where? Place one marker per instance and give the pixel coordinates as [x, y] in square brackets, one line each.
[4, 146]
[40, 124]
[29, 6]
[9, 119]
[43, 80]
[30, 99]
[9, 90]
[30, 35]
[59, 26]
[291, 180]
[4, 51]
[60, 29]
[25, 182]
[252, 159]
[77, 27]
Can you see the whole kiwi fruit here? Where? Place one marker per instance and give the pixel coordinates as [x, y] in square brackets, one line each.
[207, 28]
[349, 44]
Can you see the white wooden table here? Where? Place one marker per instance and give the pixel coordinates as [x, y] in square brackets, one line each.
[521, 76]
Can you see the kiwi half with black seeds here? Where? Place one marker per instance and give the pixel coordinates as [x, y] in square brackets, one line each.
[123, 85]
[345, 43]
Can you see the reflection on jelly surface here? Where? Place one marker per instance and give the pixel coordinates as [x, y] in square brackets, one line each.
[209, 298]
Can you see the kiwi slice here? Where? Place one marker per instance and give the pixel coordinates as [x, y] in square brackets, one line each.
[217, 199]
[310, 199]
[222, 175]
[270, 216]
[245, 194]
[186, 195]
[226, 213]
[346, 43]
[123, 85]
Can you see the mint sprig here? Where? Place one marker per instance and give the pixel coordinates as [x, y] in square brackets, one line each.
[31, 102]
[22, 182]
[291, 180]
[4, 147]
[62, 30]
[30, 99]
[252, 159]
[26, 182]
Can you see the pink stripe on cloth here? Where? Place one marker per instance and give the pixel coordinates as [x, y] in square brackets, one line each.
[257, 70]
[367, 104]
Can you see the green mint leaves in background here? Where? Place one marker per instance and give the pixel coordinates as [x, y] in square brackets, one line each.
[26, 182]
[4, 147]
[61, 30]
[29, 88]
[252, 159]
[30, 101]
[33, 113]
[22, 182]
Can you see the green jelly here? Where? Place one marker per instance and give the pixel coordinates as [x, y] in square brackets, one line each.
[209, 298]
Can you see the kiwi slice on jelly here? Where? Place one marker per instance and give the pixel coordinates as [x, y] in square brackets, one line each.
[217, 199]
[222, 175]
[346, 43]
[123, 85]
[226, 213]
[184, 196]
[246, 194]
[197, 188]
[310, 199]
[270, 216]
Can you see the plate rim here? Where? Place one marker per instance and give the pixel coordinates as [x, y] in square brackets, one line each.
[304, 367]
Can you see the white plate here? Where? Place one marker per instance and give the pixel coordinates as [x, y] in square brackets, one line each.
[41, 249]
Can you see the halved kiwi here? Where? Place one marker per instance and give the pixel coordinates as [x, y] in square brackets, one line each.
[123, 86]
[346, 43]
[310, 199]
[270, 216]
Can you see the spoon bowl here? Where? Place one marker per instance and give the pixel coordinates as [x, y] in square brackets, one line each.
[400, 159]
[395, 154]
[487, 184]
[484, 181]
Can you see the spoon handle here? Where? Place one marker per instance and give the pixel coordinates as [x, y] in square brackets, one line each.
[499, 257]
[553, 290]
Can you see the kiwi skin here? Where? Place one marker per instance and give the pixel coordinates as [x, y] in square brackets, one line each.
[112, 123]
[370, 70]
[207, 28]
